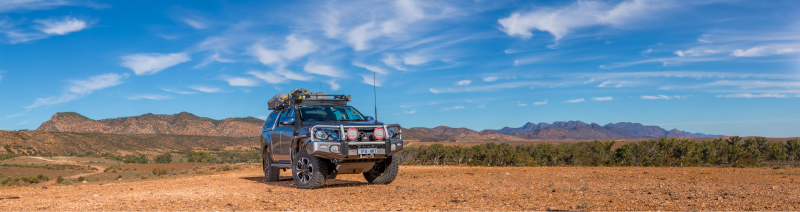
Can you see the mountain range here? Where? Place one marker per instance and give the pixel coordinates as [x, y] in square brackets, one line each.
[185, 123]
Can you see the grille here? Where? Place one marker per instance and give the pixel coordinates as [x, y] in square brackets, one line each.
[379, 146]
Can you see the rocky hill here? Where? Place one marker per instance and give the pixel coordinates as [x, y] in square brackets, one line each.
[177, 124]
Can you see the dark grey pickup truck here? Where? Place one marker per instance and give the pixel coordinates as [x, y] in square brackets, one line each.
[318, 136]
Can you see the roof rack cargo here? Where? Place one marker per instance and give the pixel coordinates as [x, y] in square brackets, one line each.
[302, 97]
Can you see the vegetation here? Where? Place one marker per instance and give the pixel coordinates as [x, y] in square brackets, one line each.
[234, 157]
[159, 171]
[135, 159]
[656, 152]
[200, 157]
[8, 156]
[164, 158]
[24, 180]
[59, 179]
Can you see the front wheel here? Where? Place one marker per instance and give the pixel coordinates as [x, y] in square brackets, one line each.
[384, 172]
[271, 173]
[309, 172]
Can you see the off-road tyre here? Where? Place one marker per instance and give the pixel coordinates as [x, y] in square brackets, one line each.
[384, 172]
[271, 174]
[309, 172]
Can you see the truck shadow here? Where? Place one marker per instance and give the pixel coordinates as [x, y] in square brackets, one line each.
[288, 182]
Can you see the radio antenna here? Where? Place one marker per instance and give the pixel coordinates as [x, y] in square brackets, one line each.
[374, 92]
[320, 86]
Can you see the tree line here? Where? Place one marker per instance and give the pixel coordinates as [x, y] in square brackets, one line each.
[732, 151]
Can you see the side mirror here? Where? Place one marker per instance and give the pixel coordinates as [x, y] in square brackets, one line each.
[370, 118]
[287, 121]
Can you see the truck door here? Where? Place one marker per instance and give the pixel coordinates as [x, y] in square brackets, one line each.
[267, 133]
[282, 153]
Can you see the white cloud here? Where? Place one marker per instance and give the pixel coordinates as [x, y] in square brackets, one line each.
[760, 51]
[392, 61]
[464, 82]
[31, 5]
[695, 52]
[523, 104]
[312, 67]
[575, 100]
[368, 79]
[150, 97]
[561, 21]
[661, 97]
[499, 86]
[292, 49]
[415, 59]
[80, 88]
[144, 64]
[177, 91]
[95, 83]
[334, 85]
[647, 52]
[610, 83]
[205, 89]
[262, 117]
[454, 108]
[540, 103]
[24, 122]
[213, 58]
[747, 95]
[410, 111]
[66, 97]
[240, 81]
[268, 77]
[1, 77]
[371, 68]
[196, 24]
[607, 98]
[61, 26]
[490, 79]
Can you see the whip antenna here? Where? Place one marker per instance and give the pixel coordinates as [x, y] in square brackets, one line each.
[376, 98]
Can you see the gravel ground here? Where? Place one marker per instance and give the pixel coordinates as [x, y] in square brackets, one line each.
[439, 188]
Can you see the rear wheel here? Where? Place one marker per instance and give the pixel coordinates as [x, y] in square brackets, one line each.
[271, 174]
[383, 172]
[309, 172]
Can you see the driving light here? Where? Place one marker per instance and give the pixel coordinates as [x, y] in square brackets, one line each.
[394, 147]
[352, 134]
[321, 135]
[378, 133]
[334, 148]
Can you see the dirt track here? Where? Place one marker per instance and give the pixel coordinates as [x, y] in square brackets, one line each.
[440, 188]
[100, 169]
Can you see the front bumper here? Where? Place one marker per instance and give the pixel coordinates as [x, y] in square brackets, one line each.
[349, 150]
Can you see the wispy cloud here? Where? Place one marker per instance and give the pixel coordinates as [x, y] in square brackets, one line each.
[326, 70]
[151, 63]
[80, 88]
[334, 86]
[463, 82]
[454, 108]
[294, 48]
[149, 96]
[392, 61]
[728, 122]
[607, 98]
[410, 111]
[213, 58]
[241, 81]
[575, 100]
[196, 23]
[747, 95]
[522, 104]
[375, 69]
[561, 21]
[61, 26]
[369, 80]
[490, 79]
[499, 86]
[205, 89]
[268, 77]
[540, 103]
[31, 5]
[176, 91]
[760, 51]
[661, 97]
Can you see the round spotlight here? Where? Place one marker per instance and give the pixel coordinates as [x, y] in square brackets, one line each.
[394, 147]
[334, 148]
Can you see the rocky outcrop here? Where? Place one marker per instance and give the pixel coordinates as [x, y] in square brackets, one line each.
[177, 124]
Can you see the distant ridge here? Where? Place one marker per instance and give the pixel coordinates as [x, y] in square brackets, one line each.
[177, 124]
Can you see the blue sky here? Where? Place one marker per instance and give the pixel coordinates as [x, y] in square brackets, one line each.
[721, 67]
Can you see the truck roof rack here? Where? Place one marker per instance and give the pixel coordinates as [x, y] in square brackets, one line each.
[302, 97]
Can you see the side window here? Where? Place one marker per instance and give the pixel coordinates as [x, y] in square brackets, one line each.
[289, 114]
[271, 120]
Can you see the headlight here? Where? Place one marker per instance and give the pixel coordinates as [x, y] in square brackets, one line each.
[394, 147]
[326, 135]
[334, 148]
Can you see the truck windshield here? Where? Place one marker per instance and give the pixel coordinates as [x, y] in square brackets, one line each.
[330, 113]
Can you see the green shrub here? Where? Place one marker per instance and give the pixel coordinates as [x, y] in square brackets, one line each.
[119, 176]
[67, 181]
[160, 171]
[5, 180]
[200, 157]
[164, 158]
[81, 179]
[59, 179]
[141, 158]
